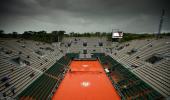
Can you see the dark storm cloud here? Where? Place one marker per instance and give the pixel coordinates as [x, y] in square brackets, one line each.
[83, 15]
[15, 7]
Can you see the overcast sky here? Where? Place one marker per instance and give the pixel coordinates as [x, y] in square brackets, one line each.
[83, 15]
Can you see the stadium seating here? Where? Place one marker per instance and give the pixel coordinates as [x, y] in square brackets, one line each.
[22, 76]
[43, 86]
[130, 87]
[153, 74]
[139, 77]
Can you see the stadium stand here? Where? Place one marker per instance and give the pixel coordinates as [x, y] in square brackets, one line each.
[139, 69]
[150, 62]
[42, 87]
[130, 86]
[16, 77]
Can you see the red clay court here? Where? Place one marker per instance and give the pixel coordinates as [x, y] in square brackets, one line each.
[86, 80]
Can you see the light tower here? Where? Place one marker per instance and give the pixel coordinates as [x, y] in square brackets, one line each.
[161, 22]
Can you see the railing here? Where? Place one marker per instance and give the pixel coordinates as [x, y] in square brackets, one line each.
[116, 87]
[61, 76]
[114, 84]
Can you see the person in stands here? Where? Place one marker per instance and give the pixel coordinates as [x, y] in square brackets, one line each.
[4, 79]
[13, 90]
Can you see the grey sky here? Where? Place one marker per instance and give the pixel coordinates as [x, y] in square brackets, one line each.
[83, 15]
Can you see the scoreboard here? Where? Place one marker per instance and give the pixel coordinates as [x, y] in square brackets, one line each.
[117, 34]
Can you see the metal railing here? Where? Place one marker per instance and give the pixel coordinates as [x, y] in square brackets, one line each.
[61, 76]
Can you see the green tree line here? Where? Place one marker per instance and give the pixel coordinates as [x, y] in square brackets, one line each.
[56, 36]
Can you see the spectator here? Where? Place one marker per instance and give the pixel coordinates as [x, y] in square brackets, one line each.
[20, 52]
[44, 69]
[12, 69]
[137, 57]
[32, 74]
[4, 94]
[28, 56]
[115, 54]
[4, 79]
[13, 90]
[1, 95]
[7, 84]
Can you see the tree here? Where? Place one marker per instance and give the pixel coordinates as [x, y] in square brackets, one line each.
[14, 34]
[27, 34]
[55, 36]
[97, 34]
[61, 35]
[1, 33]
